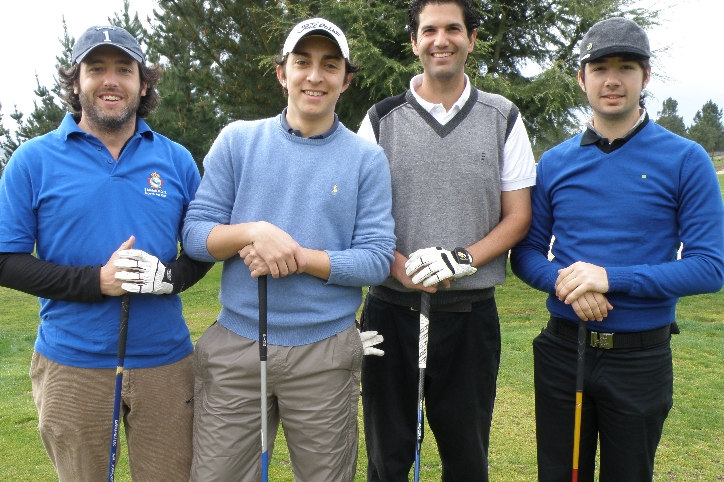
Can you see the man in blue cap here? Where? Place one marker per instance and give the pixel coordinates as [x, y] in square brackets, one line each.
[620, 199]
[80, 197]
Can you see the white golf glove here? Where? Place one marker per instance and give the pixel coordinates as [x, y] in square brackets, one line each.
[143, 272]
[369, 340]
[434, 265]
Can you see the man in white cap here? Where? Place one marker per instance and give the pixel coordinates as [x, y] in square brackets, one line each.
[301, 198]
[620, 199]
[102, 180]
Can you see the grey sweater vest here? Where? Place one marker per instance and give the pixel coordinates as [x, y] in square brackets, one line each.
[446, 179]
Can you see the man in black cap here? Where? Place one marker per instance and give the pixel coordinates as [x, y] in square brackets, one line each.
[80, 197]
[620, 198]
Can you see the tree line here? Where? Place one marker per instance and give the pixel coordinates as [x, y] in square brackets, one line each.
[218, 62]
[707, 128]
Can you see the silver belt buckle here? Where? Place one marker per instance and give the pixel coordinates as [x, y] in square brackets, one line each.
[601, 340]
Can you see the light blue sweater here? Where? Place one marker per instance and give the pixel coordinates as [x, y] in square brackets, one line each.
[627, 211]
[330, 194]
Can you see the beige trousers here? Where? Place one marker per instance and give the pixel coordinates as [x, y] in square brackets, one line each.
[313, 389]
[75, 415]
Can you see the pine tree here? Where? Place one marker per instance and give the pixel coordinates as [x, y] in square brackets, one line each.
[707, 128]
[670, 119]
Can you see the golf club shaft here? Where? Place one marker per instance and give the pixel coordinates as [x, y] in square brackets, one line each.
[580, 366]
[122, 337]
[422, 351]
[262, 358]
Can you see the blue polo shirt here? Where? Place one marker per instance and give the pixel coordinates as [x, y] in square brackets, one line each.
[64, 196]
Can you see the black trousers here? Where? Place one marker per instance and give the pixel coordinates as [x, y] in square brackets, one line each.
[627, 395]
[460, 380]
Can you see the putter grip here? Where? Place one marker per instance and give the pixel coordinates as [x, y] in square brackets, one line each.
[262, 318]
[581, 354]
[123, 327]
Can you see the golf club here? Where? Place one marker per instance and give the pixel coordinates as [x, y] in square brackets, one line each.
[262, 358]
[580, 365]
[122, 337]
[422, 350]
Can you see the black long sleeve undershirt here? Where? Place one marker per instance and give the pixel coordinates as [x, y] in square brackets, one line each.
[24, 272]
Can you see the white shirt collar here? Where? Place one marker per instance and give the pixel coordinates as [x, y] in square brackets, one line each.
[437, 110]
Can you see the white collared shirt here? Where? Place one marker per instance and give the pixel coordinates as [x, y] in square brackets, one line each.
[438, 110]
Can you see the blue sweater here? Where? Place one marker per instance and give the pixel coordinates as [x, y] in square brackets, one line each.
[330, 194]
[627, 211]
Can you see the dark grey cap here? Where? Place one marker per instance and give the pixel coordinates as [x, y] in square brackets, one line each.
[115, 36]
[615, 35]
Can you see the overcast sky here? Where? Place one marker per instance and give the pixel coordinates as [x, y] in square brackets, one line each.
[30, 31]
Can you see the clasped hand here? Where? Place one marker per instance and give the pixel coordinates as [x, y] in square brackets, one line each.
[582, 285]
[273, 252]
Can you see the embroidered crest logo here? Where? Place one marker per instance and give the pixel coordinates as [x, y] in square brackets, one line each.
[155, 184]
[155, 181]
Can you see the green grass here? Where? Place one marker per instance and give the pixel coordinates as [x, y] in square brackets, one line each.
[692, 447]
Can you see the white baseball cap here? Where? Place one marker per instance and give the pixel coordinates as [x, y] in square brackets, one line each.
[316, 26]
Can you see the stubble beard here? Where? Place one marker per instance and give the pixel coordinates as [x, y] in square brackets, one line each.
[104, 122]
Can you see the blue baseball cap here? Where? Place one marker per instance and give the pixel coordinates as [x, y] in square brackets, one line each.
[108, 35]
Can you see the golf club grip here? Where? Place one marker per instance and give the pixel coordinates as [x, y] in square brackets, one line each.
[262, 318]
[123, 327]
[581, 354]
[424, 326]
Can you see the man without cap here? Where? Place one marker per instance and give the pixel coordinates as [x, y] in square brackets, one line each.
[461, 167]
[620, 199]
[81, 197]
[301, 198]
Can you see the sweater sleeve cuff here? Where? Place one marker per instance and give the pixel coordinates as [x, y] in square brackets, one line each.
[340, 268]
[551, 282]
[195, 241]
[620, 279]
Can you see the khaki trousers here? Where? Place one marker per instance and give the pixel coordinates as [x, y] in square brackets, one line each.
[75, 415]
[313, 389]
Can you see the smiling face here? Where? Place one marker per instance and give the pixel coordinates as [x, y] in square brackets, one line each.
[109, 89]
[613, 86]
[314, 76]
[442, 42]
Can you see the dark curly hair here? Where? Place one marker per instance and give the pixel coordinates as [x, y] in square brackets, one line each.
[150, 74]
[472, 18]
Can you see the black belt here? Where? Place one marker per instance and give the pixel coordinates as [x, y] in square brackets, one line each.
[442, 301]
[569, 329]
[457, 307]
